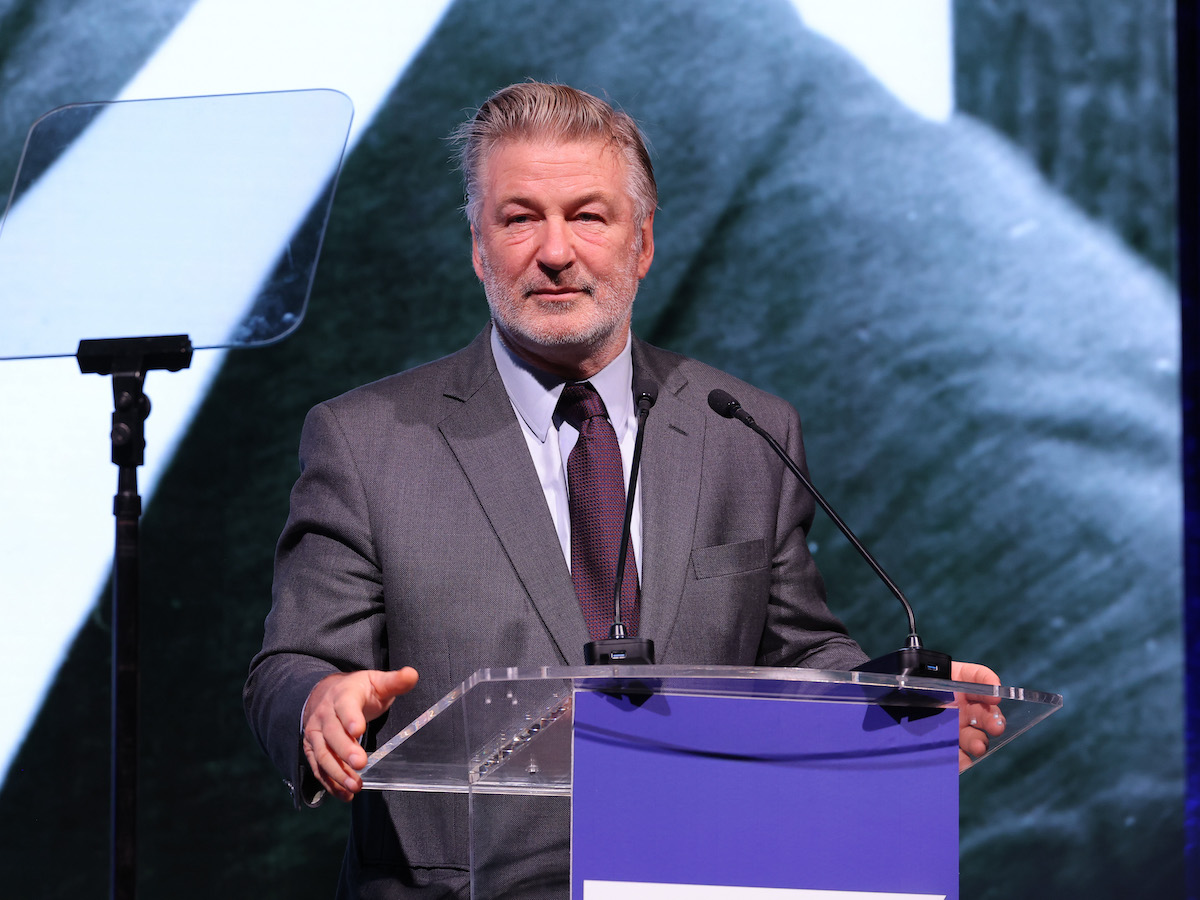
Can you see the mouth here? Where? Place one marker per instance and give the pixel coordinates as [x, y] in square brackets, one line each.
[557, 293]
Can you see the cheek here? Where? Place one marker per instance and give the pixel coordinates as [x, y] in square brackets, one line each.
[604, 258]
[491, 259]
[508, 257]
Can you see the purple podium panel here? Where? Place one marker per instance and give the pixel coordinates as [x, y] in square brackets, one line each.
[812, 799]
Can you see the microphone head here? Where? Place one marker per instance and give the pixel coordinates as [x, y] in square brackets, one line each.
[645, 393]
[722, 403]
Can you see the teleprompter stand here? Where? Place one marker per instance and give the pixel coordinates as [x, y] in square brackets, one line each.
[197, 218]
[704, 782]
[128, 360]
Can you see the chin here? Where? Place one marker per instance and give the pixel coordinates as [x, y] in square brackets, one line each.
[560, 331]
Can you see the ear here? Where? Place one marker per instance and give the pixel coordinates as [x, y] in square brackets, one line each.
[476, 259]
[647, 255]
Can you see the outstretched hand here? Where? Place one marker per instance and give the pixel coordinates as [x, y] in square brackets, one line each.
[979, 716]
[336, 717]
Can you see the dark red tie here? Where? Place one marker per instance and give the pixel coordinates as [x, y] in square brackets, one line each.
[595, 483]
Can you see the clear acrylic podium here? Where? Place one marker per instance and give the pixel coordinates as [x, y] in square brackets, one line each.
[730, 782]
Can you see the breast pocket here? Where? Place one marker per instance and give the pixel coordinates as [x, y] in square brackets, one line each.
[730, 559]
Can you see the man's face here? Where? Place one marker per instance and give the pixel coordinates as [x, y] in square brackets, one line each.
[559, 252]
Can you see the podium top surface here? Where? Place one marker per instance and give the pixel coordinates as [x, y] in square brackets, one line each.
[509, 730]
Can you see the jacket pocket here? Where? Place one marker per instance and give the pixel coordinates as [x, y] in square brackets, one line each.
[729, 559]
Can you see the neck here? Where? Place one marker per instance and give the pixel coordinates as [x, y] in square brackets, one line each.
[570, 363]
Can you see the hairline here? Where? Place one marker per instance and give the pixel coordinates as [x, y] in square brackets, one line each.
[525, 112]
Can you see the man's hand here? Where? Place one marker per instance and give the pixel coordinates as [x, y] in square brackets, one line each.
[336, 716]
[979, 716]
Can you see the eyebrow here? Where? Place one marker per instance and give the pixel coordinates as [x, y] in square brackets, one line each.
[594, 197]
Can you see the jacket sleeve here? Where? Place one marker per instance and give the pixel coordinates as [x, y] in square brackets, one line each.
[327, 606]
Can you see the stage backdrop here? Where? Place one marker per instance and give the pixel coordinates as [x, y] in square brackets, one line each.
[974, 312]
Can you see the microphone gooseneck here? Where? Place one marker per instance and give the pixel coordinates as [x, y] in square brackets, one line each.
[619, 647]
[646, 395]
[725, 405]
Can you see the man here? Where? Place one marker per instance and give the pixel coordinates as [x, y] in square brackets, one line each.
[431, 527]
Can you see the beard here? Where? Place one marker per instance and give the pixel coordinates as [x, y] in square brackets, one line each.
[589, 322]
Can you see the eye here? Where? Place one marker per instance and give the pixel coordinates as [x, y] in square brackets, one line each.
[589, 217]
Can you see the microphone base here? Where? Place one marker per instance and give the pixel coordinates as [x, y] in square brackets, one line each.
[910, 661]
[628, 651]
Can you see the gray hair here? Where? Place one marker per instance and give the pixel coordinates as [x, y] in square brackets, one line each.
[534, 109]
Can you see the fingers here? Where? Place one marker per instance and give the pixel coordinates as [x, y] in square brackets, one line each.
[972, 745]
[335, 775]
[965, 761]
[979, 715]
[987, 719]
[977, 723]
[335, 719]
[973, 741]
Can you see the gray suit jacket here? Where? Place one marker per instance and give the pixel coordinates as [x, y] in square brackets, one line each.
[419, 535]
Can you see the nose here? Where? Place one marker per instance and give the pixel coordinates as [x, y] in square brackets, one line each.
[556, 251]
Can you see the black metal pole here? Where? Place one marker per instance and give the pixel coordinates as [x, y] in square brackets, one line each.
[130, 409]
[127, 360]
[127, 507]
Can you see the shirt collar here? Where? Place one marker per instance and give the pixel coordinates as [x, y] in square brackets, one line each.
[534, 394]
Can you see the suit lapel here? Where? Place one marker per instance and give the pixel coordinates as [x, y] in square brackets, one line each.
[485, 437]
[670, 485]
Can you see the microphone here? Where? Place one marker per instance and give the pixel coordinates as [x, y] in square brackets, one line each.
[912, 659]
[618, 647]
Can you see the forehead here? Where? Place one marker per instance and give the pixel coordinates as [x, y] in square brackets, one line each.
[515, 168]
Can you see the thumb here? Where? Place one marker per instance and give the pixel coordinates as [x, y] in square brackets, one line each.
[973, 672]
[389, 685]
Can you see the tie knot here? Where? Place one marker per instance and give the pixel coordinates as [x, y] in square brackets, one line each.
[580, 402]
